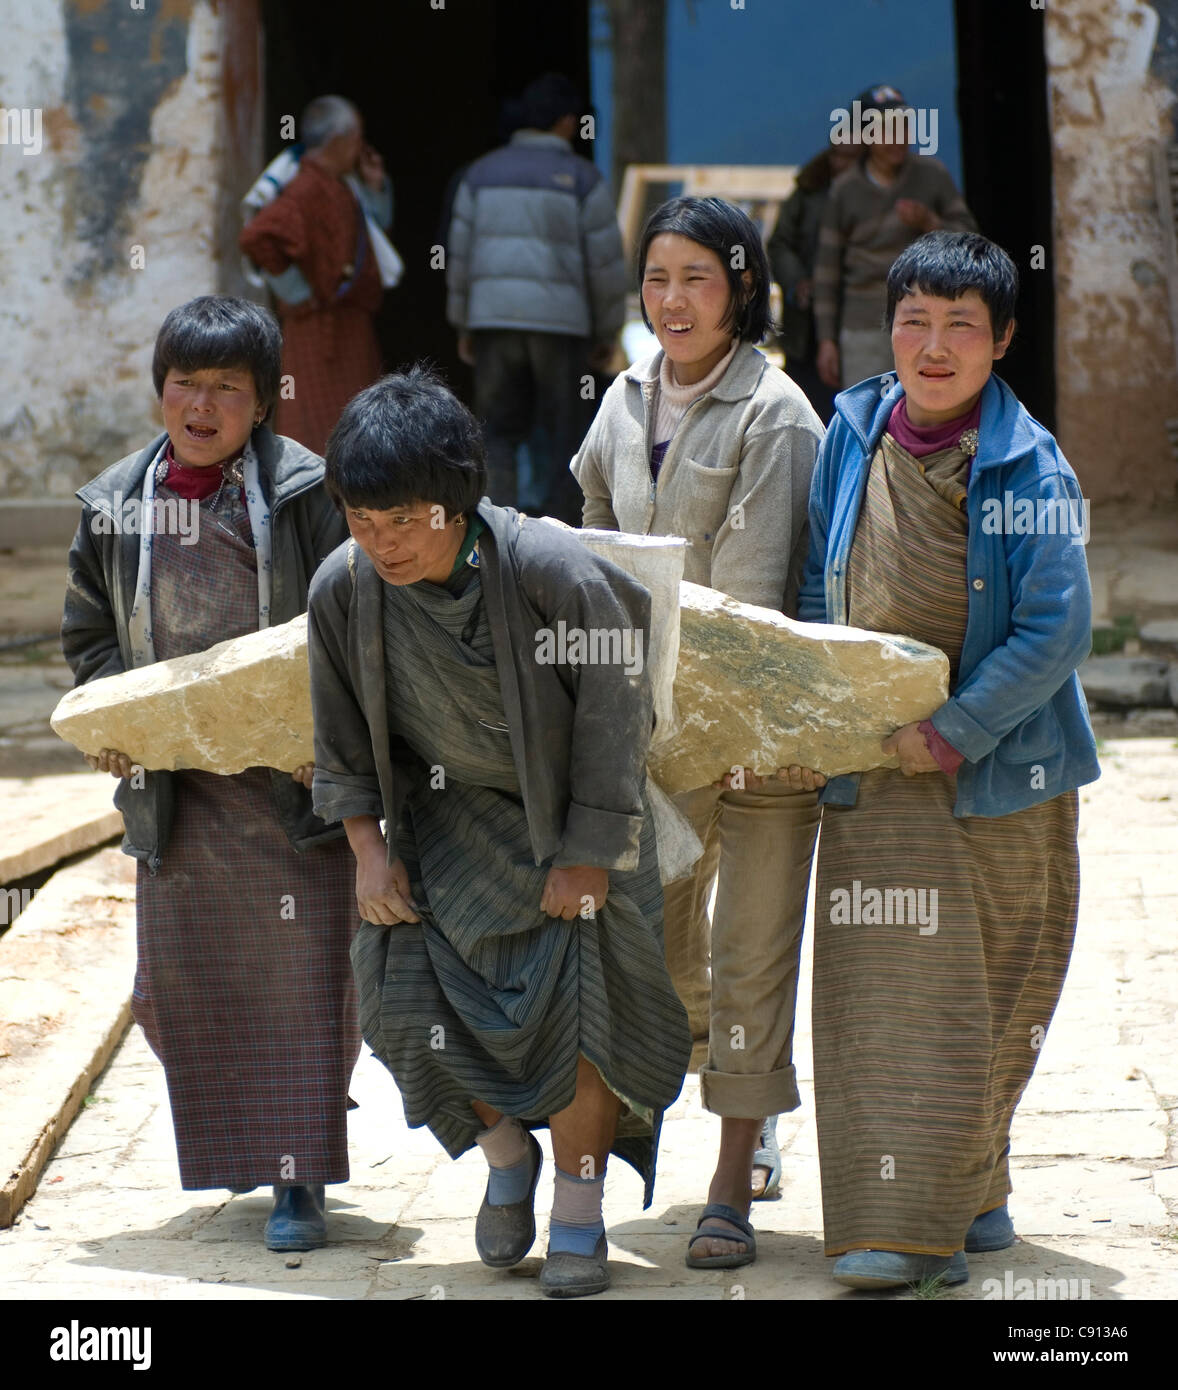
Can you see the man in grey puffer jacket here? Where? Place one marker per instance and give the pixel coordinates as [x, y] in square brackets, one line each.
[536, 288]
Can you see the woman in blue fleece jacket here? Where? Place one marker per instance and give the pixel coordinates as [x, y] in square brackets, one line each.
[947, 888]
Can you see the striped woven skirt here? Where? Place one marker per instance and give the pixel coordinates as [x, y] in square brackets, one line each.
[489, 999]
[930, 1005]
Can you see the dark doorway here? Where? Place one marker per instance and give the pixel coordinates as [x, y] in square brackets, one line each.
[1006, 157]
[431, 84]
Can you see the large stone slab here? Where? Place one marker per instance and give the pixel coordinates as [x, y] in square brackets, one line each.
[657, 563]
[757, 689]
[751, 687]
[243, 703]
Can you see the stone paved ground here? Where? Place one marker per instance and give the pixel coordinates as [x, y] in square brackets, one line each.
[1096, 1167]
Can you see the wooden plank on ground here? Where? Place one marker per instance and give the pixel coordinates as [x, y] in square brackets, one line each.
[46, 819]
[66, 971]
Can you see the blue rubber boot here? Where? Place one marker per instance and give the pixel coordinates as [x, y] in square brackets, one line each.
[889, 1269]
[994, 1230]
[299, 1220]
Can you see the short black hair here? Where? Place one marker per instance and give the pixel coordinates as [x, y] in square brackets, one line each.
[406, 438]
[216, 330]
[724, 229]
[950, 264]
[546, 99]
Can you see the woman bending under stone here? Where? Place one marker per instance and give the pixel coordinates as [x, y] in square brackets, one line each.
[510, 963]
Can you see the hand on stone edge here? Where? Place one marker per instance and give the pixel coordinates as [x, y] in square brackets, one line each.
[909, 745]
[801, 779]
[112, 761]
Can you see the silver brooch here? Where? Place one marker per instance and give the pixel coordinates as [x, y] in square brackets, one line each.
[233, 473]
[968, 443]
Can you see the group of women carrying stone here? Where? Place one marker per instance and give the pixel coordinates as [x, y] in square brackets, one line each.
[476, 831]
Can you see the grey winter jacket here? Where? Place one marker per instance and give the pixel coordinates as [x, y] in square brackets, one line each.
[579, 733]
[103, 566]
[534, 244]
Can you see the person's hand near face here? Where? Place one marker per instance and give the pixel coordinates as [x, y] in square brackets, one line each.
[370, 168]
[917, 215]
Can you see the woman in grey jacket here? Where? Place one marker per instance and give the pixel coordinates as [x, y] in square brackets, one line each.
[244, 902]
[707, 440]
[510, 963]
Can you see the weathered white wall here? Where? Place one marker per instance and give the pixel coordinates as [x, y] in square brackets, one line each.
[134, 154]
[1115, 354]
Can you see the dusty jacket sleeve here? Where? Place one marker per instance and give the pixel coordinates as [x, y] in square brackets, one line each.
[754, 547]
[458, 257]
[1051, 633]
[605, 263]
[611, 728]
[89, 639]
[586, 467]
[345, 782]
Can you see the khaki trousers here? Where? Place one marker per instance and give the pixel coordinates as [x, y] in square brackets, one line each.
[758, 846]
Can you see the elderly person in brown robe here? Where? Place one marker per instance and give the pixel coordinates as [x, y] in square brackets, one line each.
[244, 902]
[316, 229]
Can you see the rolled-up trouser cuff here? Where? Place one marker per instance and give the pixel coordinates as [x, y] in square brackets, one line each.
[749, 1095]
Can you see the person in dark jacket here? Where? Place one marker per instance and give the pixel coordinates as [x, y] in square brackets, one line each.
[536, 291]
[244, 899]
[510, 964]
[793, 251]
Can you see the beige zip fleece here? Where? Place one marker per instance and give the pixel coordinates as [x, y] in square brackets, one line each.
[735, 480]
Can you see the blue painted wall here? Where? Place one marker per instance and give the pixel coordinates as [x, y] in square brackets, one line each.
[756, 86]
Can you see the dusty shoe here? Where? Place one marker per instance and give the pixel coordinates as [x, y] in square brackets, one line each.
[572, 1276]
[298, 1221]
[504, 1235]
[890, 1269]
[993, 1230]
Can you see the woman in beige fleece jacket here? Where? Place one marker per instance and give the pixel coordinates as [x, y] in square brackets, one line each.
[707, 440]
